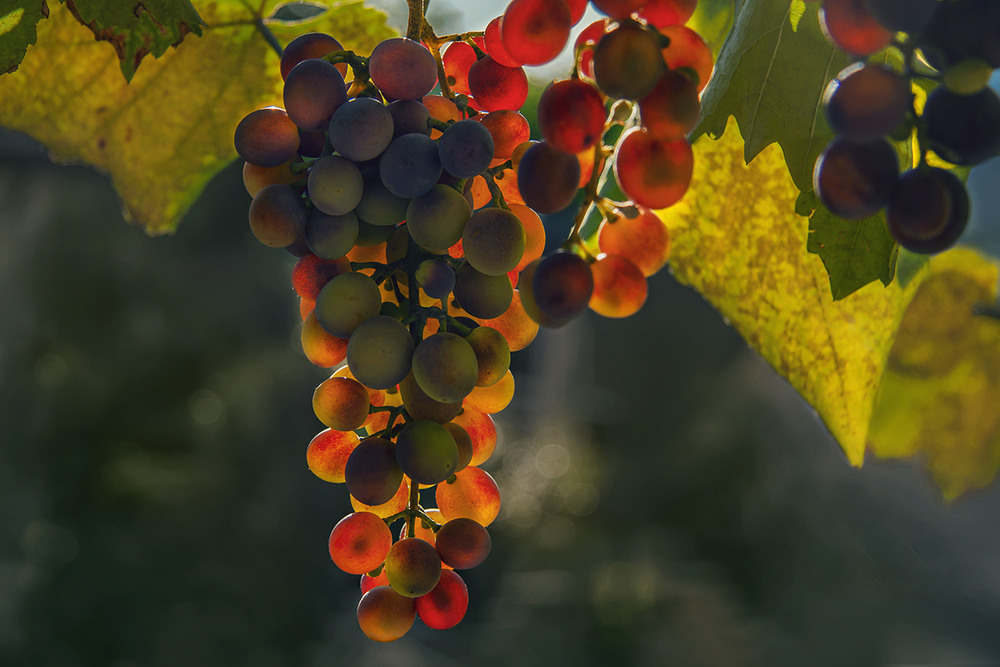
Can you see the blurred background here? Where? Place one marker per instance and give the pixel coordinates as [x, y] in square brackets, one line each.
[668, 499]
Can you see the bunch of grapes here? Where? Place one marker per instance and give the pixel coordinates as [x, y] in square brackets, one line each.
[948, 46]
[411, 192]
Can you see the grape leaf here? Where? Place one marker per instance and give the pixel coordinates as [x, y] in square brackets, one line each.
[137, 28]
[939, 396]
[771, 75]
[163, 136]
[854, 252]
[18, 31]
[738, 240]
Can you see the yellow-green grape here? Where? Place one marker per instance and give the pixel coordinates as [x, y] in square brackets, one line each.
[493, 241]
[379, 352]
[968, 77]
[347, 301]
[426, 452]
[437, 218]
[421, 406]
[480, 295]
[413, 567]
[492, 353]
[445, 367]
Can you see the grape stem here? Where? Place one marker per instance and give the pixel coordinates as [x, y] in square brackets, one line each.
[268, 36]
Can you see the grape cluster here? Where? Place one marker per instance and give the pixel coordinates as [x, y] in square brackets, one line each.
[948, 46]
[407, 184]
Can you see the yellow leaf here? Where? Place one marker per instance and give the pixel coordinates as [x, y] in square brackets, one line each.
[165, 135]
[940, 397]
[737, 240]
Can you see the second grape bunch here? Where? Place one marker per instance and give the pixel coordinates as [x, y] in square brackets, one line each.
[407, 184]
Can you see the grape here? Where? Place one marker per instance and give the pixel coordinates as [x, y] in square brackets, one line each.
[463, 543]
[436, 278]
[577, 8]
[850, 26]
[394, 505]
[514, 324]
[492, 354]
[473, 495]
[445, 367]
[372, 474]
[442, 109]
[437, 218]
[359, 542]
[496, 87]
[277, 215]
[644, 240]
[653, 173]
[963, 129]
[321, 348]
[480, 295]
[331, 236]
[327, 454]
[345, 302]
[687, 49]
[379, 352]
[409, 116]
[369, 582]
[311, 144]
[482, 432]
[665, 13]
[410, 165]
[311, 273]
[866, 101]
[361, 129]
[534, 234]
[384, 615]
[446, 605]
[463, 443]
[671, 110]
[494, 398]
[313, 90]
[341, 403]
[256, 178]
[267, 137]
[335, 185]
[493, 241]
[371, 238]
[413, 567]
[378, 206]
[548, 178]
[561, 285]
[402, 69]
[618, 9]
[589, 36]
[571, 115]
[928, 210]
[619, 287]
[426, 451]
[493, 44]
[854, 180]
[421, 406]
[508, 129]
[535, 31]
[424, 531]
[628, 62]
[457, 60]
[966, 30]
[466, 149]
[965, 78]
[309, 45]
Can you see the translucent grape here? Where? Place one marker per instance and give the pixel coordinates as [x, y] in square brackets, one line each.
[320, 347]
[394, 505]
[492, 354]
[463, 543]
[495, 87]
[413, 567]
[277, 216]
[369, 582]
[618, 9]
[384, 615]
[508, 129]
[628, 62]
[341, 403]
[514, 323]
[653, 173]
[643, 239]
[463, 443]
[534, 234]
[445, 606]
[359, 542]
[473, 495]
[311, 273]
[494, 47]
[850, 26]
[664, 13]
[688, 49]
[562, 285]
[671, 110]
[482, 431]
[571, 115]
[457, 60]
[256, 178]
[327, 454]
[535, 31]
[494, 398]
[620, 288]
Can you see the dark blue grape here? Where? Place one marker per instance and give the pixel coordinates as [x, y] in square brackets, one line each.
[361, 129]
[466, 149]
[410, 165]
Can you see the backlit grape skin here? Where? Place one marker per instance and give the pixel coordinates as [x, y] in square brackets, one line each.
[359, 542]
[413, 567]
[855, 180]
[473, 495]
[384, 615]
[445, 606]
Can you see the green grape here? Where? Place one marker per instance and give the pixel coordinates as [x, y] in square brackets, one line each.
[346, 301]
[421, 406]
[492, 354]
[426, 452]
[445, 367]
[436, 218]
[379, 352]
[341, 403]
[493, 241]
[481, 295]
[413, 567]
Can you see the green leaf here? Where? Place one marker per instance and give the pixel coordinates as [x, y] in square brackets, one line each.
[162, 137]
[137, 28]
[854, 252]
[770, 76]
[18, 32]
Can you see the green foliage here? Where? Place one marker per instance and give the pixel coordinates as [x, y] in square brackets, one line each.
[137, 29]
[18, 32]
